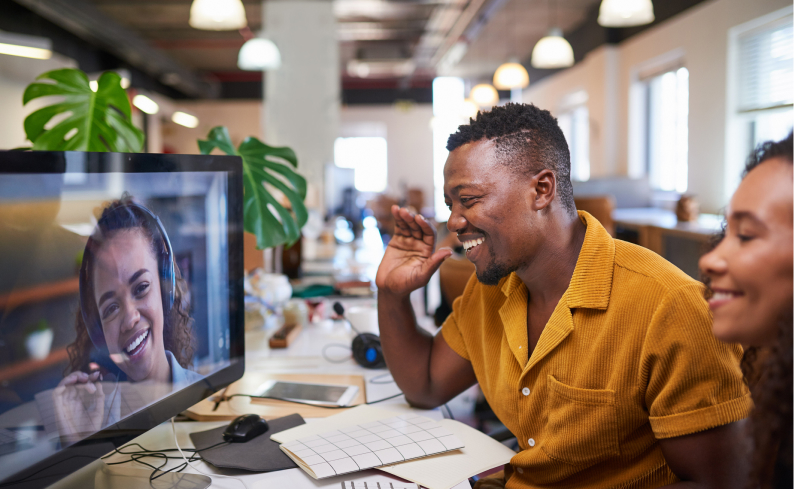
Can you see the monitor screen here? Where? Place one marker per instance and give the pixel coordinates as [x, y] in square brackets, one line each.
[120, 299]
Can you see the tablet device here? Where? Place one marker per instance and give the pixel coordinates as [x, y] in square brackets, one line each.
[319, 394]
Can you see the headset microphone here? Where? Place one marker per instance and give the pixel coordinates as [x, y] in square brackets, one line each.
[366, 347]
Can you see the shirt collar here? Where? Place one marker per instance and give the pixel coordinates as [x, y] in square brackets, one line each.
[591, 283]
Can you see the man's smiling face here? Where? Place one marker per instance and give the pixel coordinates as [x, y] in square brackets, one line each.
[491, 210]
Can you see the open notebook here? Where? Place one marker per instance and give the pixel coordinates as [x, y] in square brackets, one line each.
[369, 445]
[440, 471]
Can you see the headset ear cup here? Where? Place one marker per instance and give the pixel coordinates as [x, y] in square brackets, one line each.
[367, 351]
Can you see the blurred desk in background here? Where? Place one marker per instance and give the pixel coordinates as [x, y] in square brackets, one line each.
[681, 243]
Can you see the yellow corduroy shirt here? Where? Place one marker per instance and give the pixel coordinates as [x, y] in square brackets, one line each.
[626, 358]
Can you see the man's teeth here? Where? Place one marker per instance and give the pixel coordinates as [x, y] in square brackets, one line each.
[467, 245]
[137, 341]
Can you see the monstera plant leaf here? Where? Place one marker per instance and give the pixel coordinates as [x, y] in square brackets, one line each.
[263, 169]
[96, 121]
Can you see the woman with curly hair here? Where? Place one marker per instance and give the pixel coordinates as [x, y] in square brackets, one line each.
[749, 274]
[134, 313]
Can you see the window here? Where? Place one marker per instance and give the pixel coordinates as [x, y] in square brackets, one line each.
[659, 131]
[367, 156]
[760, 89]
[766, 86]
[448, 95]
[574, 121]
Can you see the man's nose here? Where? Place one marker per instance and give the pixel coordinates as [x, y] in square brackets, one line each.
[456, 222]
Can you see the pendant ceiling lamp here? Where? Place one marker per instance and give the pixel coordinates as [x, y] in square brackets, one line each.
[553, 51]
[217, 15]
[625, 13]
[484, 95]
[511, 75]
[259, 54]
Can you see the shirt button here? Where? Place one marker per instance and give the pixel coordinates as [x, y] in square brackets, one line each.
[531, 442]
[520, 470]
[525, 391]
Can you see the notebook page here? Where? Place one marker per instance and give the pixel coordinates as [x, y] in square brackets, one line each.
[480, 453]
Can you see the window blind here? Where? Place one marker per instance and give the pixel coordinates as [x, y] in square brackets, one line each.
[766, 77]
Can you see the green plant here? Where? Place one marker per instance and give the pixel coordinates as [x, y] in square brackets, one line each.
[97, 121]
[262, 170]
[42, 325]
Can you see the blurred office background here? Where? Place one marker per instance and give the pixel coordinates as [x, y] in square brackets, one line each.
[659, 115]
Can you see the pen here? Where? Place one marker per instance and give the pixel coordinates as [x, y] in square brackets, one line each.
[220, 399]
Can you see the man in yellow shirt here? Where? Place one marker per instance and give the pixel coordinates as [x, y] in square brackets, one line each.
[596, 353]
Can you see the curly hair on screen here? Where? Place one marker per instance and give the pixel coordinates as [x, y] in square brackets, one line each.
[178, 335]
[527, 139]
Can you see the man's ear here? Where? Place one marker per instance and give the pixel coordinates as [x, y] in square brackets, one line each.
[544, 186]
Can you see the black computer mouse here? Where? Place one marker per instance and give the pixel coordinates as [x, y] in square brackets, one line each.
[244, 428]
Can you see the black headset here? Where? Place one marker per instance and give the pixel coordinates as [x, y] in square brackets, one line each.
[366, 347]
[165, 259]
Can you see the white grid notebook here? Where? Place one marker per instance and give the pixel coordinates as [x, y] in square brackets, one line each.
[383, 442]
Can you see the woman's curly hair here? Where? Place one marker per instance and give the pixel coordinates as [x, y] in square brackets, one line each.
[178, 337]
[768, 373]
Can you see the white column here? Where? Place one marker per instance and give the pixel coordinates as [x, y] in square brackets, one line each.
[302, 98]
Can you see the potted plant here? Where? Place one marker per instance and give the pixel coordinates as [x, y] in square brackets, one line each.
[101, 121]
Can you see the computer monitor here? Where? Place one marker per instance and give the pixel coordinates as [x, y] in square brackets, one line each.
[121, 300]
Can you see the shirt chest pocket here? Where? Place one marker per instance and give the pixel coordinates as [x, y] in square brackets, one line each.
[582, 426]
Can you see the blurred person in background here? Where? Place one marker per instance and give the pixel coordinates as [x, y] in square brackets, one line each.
[749, 277]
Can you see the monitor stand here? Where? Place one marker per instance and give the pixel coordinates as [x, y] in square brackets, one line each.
[97, 475]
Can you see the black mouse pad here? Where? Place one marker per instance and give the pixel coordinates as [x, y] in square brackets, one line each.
[260, 454]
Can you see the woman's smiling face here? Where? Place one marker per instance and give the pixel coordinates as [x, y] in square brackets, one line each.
[129, 301]
[750, 271]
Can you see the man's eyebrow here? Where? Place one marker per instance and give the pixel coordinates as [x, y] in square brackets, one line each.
[136, 275]
[458, 188]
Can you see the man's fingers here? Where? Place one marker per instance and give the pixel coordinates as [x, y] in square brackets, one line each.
[427, 229]
[410, 219]
[400, 226]
[435, 260]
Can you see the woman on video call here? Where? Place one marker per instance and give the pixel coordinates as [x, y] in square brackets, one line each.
[133, 311]
[749, 274]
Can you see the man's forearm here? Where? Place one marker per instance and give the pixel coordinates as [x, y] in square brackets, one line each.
[407, 349]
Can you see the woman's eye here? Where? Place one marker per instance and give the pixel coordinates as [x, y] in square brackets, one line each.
[141, 288]
[109, 311]
[744, 237]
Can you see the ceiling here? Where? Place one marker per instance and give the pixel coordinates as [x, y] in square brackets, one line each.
[399, 40]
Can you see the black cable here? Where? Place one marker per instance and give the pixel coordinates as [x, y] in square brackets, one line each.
[252, 396]
[449, 411]
[374, 380]
[338, 345]
[139, 455]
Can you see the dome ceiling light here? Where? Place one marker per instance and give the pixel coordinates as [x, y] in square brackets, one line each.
[511, 75]
[625, 13]
[217, 15]
[553, 51]
[259, 54]
[484, 95]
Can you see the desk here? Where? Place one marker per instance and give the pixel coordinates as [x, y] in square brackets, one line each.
[681, 243]
[303, 356]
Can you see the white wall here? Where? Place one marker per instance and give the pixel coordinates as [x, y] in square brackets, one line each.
[409, 140]
[15, 74]
[701, 35]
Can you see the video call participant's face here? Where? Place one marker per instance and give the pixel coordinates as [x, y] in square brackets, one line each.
[751, 269]
[489, 201]
[129, 301]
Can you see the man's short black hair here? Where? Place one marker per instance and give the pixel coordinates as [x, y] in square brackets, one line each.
[528, 139]
[768, 150]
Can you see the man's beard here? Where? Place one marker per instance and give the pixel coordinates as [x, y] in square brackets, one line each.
[495, 272]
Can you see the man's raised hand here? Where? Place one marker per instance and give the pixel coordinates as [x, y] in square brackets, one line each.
[409, 260]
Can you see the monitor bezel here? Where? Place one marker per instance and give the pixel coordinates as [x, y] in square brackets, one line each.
[73, 457]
